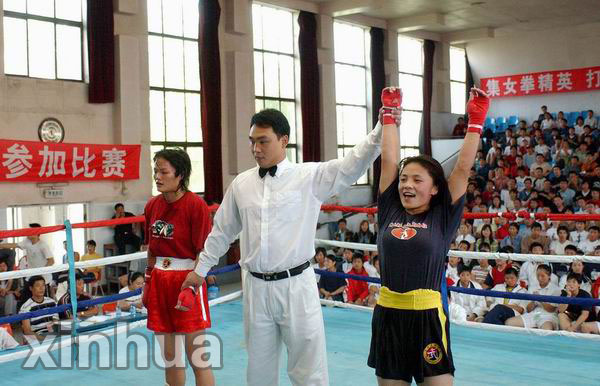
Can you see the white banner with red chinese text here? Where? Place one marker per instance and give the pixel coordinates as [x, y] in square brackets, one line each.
[57, 162]
[548, 82]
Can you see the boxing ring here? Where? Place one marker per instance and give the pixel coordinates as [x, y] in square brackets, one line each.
[483, 354]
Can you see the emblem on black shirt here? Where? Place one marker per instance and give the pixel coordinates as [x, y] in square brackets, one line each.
[402, 233]
[161, 228]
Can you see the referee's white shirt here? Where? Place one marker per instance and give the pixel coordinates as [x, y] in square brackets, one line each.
[276, 216]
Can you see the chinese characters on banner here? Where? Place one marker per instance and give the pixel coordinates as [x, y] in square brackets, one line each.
[580, 79]
[53, 162]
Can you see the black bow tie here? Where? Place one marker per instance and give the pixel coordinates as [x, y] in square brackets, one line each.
[263, 171]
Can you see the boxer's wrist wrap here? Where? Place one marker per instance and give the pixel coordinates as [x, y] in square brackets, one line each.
[391, 98]
[477, 108]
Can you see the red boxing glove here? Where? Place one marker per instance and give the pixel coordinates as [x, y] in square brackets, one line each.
[477, 108]
[391, 97]
[146, 288]
[186, 299]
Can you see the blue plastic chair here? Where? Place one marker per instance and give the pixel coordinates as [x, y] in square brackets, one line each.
[584, 114]
[501, 125]
[513, 120]
[572, 118]
[490, 123]
[553, 116]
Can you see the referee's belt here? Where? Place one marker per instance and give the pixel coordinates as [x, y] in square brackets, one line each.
[417, 300]
[271, 276]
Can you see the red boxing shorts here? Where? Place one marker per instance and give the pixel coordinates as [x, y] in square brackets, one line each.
[167, 277]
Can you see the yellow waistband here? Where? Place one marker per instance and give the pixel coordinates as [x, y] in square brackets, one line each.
[420, 299]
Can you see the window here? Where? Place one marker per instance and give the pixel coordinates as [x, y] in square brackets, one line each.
[351, 49]
[410, 67]
[44, 38]
[458, 92]
[175, 81]
[275, 66]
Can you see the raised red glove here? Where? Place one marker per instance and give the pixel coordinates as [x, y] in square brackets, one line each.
[146, 288]
[391, 97]
[477, 108]
[186, 299]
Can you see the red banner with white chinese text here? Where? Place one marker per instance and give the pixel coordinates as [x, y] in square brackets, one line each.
[548, 82]
[61, 162]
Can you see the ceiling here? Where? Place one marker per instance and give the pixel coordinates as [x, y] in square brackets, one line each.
[448, 16]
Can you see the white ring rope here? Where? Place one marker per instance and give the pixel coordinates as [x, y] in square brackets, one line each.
[475, 255]
[80, 264]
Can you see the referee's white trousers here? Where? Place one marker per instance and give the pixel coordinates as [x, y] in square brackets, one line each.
[284, 311]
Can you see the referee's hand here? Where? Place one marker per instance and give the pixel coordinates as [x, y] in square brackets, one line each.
[192, 280]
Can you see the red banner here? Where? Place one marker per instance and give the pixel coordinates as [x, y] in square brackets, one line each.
[548, 82]
[56, 162]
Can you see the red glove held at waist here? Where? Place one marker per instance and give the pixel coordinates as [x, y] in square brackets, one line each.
[391, 97]
[477, 108]
[186, 299]
[146, 288]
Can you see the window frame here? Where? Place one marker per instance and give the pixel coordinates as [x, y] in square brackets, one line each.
[55, 21]
[453, 81]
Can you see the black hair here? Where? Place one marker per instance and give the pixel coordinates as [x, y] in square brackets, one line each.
[571, 247]
[465, 242]
[514, 224]
[357, 255]
[32, 280]
[463, 268]
[34, 225]
[91, 242]
[484, 245]
[536, 225]
[342, 220]
[511, 271]
[322, 250]
[594, 228]
[274, 119]
[119, 205]
[180, 160]
[133, 276]
[436, 172]
[4, 260]
[545, 267]
[330, 257]
[506, 249]
[575, 276]
[533, 245]
[563, 228]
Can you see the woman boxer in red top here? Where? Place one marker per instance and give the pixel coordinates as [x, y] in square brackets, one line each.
[177, 223]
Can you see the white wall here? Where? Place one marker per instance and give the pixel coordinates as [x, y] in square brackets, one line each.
[553, 49]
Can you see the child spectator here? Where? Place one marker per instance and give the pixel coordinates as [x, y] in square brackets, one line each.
[578, 267]
[496, 275]
[513, 239]
[481, 271]
[357, 290]
[347, 260]
[572, 316]
[535, 236]
[134, 281]
[82, 312]
[474, 305]
[453, 264]
[319, 263]
[464, 234]
[539, 315]
[38, 325]
[331, 287]
[374, 287]
[503, 309]
[528, 272]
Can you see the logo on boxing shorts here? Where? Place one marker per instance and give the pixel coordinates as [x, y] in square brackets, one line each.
[402, 233]
[166, 263]
[432, 354]
[163, 229]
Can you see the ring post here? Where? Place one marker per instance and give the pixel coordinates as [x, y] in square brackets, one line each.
[72, 283]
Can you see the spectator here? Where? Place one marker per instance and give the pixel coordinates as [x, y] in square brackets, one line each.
[135, 281]
[585, 192]
[503, 309]
[573, 165]
[460, 129]
[91, 272]
[530, 157]
[374, 287]
[331, 287]
[373, 227]
[579, 234]
[464, 234]
[8, 301]
[37, 251]
[557, 247]
[565, 192]
[319, 263]
[539, 314]
[572, 316]
[124, 234]
[82, 312]
[528, 271]
[538, 179]
[542, 148]
[496, 206]
[364, 234]
[474, 305]
[487, 236]
[496, 275]
[480, 272]
[540, 162]
[36, 326]
[9, 256]
[590, 163]
[347, 260]
[65, 259]
[542, 116]
[501, 228]
[578, 267]
[358, 290]
[590, 120]
[535, 236]
[453, 265]
[526, 193]
[579, 123]
[7, 342]
[590, 243]
[513, 239]
[343, 233]
[547, 123]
